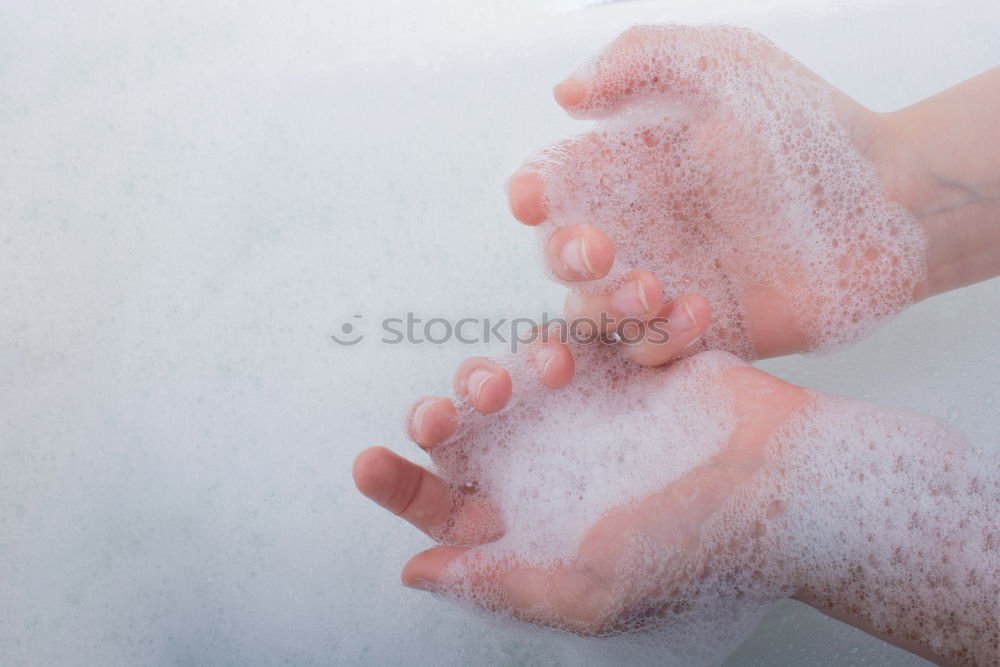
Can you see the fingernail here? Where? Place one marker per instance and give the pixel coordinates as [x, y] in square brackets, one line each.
[416, 422]
[543, 359]
[682, 318]
[574, 257]
[476, 381]
[630, 299]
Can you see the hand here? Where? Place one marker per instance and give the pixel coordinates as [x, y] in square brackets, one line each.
[683, 501]
[723, 167]
[598, 587]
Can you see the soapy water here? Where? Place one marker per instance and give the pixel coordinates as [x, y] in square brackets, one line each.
[628, 515]
[724, 167]
[196, 195]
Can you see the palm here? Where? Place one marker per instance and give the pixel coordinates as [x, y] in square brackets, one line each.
[590, 592]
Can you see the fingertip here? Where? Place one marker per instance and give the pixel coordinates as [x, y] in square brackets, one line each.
[493, 391]
[459, 380]
[485, 385]
[424, 571]
[526, 196]
[555, 364]
[370, 470]
[629, 70]
[637, 300]
[673, 333]
[640, 296]
[580, 253]
[569, 93]
[687, 317]
[432, 420]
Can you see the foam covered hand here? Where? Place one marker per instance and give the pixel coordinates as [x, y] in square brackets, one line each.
[678, 504]
[720, 166]
[555, 527]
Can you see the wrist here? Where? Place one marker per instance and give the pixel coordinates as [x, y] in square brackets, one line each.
[941, 161]
[886, 528]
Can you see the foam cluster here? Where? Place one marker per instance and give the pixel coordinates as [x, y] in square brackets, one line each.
[727, 169]
[621, 526]
[893, 522]
[553, 461]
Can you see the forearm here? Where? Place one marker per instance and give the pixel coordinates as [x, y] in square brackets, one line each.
[939, 597]
[896, 532]
[946, 162]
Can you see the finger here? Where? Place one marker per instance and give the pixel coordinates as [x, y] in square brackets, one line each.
[526, 196]
[553, 361]
[426, 570]
[403, 488]
[500, 587]
[647, 60]
[578, 253]
[570, 94]
[484, 384]
[424, 499]
[567, 596]
[675, 332]
[640, 298]
[432, 420]
[529, 188]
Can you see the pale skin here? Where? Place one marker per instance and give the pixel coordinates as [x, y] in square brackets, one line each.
[937, 158]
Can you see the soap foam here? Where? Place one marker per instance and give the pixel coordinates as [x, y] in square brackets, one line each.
[553, 460]
[728, 173]
[902, 516]
[871, 507]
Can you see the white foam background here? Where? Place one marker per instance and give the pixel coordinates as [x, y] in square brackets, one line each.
[193, 196]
